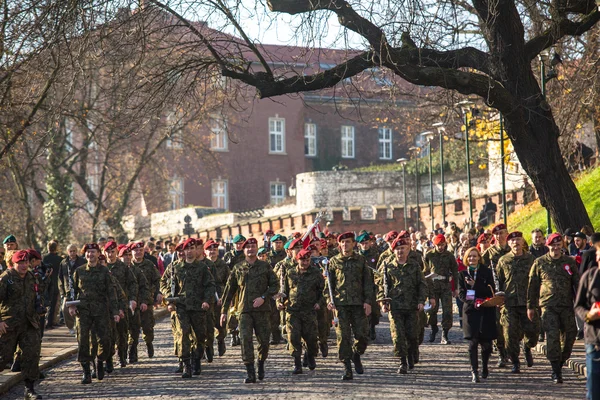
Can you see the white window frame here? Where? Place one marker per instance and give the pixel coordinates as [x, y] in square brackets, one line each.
[276, 192]
[220, 194]
[385, 143]
[348, 144]
[218, 137]
[177, 192]
[276, 132]
[310, 140]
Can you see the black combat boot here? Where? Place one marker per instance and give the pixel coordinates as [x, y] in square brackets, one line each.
[87, 373]
[187, 369]
[123, 358]
[416, 355]
[251, 378]
[372, 333]
[358, 367]
[347, 371]
[30, 393]
[403, 366]
[197, 366]
[324, 347]
[297, 366]
[434, 331]
[411, 360]
[210, 353]
[232, 342]
[445, 339]
[180, 368]
[501, 358]
[261, 369]
[516, 367]
[221, 347]
[528, 356]
[485, 358]
[150, 348]
[100, 370]
[94, 373]
[312, 364]
[475, 376]
[236, 338]
[109, 365]
[275, 337]
[557, 372]
[305, 360]
[132, 353]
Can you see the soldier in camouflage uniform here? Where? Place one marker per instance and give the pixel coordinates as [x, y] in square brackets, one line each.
[324, 316]
[19, 320]
[175, 328]
[153, 278]
[332, 246]
[220, 275]
[513, 278]
[231, 258]
[208, 345]
[387, 253]
[128, 283]
[552, 281]
[369, 251]
[275, 255]
[253, 281]
[490, 259]
[401, 292]
[352, 287]
[441, 262]
[194, 288]
[303, 287]
[94, 289]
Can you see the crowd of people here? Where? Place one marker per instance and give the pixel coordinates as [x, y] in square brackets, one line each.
[293, 290]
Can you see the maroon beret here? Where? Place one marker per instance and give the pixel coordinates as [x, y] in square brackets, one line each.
[404, 235]
[101, 257]
[346, 235]
[515, 234]
[304, 253]
[91, 246]
[110, 245]
[189, 242]
[179, 247]
[399, 241]
[294, 243]
[136, 245]
[19, 256]
[123, 248]
[554, 238]
[390, 236]
[33, 254]
[498, 228]
[250, 241]
[269, 232]
[210, 243]
[484, 237]
[439, 239]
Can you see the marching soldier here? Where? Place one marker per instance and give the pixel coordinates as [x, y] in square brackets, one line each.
[231, 258]
[371, 254]
[389, 239]
[332, 246]
[552, 281]
[351, 287]
[153, 278]
[274, 256]
[442, 263]
[208, 346]
[253, 281]
[19, 320]
[189, 287]
[220, 276]
[401, 292]
[93, 287]
[513, 277]
[303, 289]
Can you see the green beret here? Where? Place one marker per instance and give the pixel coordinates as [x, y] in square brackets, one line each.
[9, 239]
[239, 238]
[321, 235]
[262, 250]
[278, 237]
[286, 246]
[363, 238]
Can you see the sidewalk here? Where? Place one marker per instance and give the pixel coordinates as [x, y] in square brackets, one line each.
[57, 345]
[577, 360]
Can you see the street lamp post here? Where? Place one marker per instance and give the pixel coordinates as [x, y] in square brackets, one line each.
[429, 137]
[417, 150]
[403, 162]
[504, 208]
[441, 130]
[465, 107]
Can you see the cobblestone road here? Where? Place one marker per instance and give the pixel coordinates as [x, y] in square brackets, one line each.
[443, 373]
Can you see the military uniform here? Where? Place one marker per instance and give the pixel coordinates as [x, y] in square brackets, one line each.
[231, 258]
[273, 258]
[127, 282]
[134, 318]
[208, 345]
[444, 265]
[147, 317]
[281, 268]
[372, 256]
[220, 275]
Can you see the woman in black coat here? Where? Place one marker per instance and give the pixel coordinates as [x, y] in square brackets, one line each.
[479, 323]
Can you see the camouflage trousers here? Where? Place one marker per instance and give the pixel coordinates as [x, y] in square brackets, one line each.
[443, 294]
[561, 331]
[275, 320]
[28, 339]
[210, 326]
[232, 323]
[517, 326]
[258, 323]
[89, 326]
[404, 334]
[375, 315]
[192, 324]
[221, 329]
[176, 330]
[500, 341]
[147, 322]
[420, 326]
[119, 336]
[302, 325]
[351, 319]
[324, 318]
[135, 324]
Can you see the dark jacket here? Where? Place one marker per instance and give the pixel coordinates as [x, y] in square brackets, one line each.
[67, 270]
[587, 294]
[538, 251]
[588, 260]
[478, 323]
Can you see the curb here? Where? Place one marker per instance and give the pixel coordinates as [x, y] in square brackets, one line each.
[14, 378]
[576, 364]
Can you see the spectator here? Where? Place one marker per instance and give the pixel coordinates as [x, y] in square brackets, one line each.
[568, 240]
[461, 267]
[581, 245]
[588, 230]
[148, 250]
[588, 259]
[479, 229]
[52, 260]
[538, 246]
[490, 209]
[101, 242]
[66, 269]
[169, 256]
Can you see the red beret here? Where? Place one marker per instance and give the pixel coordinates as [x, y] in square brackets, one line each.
[296, 235]
[483, 238]
[294, 243]
[91, 246]
[123, 248]
[346, 235]
[250, 241]
[179, 247]
[515, 234]
[20, 255]
[323, 242]
[554, 238]
[110, 245]
[439, 239]
[199, 242]
[498, 228]
[269, 232]
[188, 243]
[33, 254]
[390, 236]
[304, 253]
[210, 243]
[404, 235]
[101, 257]
[399, 241]
[136, 245]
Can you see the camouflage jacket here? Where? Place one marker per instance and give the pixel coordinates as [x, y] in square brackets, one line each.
[250, 281]
[220, 276]
[126, 279]
[143, 296]
[94, 287]
[275, 256]
[387, 253]
[194, 284]
[332, 251]
[206, 262]
[372, 256]
[406, 285]
[17, 299]
[552, 283]
[122, 301]
[492, 255]
[441, 263]
[351, 280]
[513, 278]
[303, 290]
[284, 265]
[232, 257]
[152, 277]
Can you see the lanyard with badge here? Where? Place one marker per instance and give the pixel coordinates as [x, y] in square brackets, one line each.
[471, 292]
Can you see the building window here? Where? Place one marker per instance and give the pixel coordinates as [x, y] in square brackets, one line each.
[218, 138]
[310, 140]
[347, 142]
[277, 192]
[176, 193]
[276, 135]
[174, 132]
[385, 143]
[219, 194]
